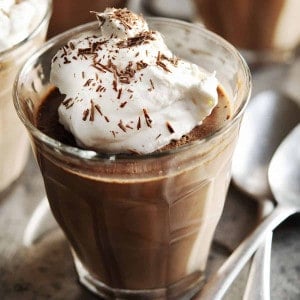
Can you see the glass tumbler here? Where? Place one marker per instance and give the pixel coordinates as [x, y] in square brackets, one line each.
[139, 226]
[14, 143]
[264, 31]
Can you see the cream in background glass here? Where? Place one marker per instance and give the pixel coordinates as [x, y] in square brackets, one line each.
[266, 30]
[140, 225]
[14, 142]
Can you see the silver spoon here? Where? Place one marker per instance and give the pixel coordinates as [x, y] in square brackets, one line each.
[284, 179]
[260, 135]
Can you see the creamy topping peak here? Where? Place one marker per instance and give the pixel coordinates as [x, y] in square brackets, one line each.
[120, 23]
[125, 90]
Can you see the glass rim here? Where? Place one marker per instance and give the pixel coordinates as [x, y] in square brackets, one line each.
[91, 154]
[44, 19]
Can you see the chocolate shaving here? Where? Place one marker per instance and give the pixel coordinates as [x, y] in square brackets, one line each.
[115, 85]
[97, 45]
[88, 82]
[123, 104]
[119, 93]
[85, 114]
[107, 68]
[121, 125]
[139, 124]
[99, 68]
[152, 85]
[65, 51]
[142, 38]
[66, 60]
[124, 79]
[84, 51]
[141, 65]
[170, 128]
[147, 118]
[72, 46]
[100, 88]
[160, 63]
[97, 107]
[66, 102]
[92, 114]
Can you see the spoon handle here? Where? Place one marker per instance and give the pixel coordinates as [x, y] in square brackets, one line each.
[218, 284]
[258, 284]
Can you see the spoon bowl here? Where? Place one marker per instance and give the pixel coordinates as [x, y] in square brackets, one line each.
[286, 164]
[270, 116]
[285, 187]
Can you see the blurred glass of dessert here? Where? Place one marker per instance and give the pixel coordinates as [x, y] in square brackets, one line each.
[23, 26]
[266, 31]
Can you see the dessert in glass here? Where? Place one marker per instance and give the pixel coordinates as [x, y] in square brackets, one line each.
[23, 27]
[266, 31]
[134, 134]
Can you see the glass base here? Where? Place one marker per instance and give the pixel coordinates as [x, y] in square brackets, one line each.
[184, 290]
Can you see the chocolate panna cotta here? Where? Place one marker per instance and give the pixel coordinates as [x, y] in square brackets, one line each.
[219, 115]
[125, 91]
[47, 120]
[137, 233]
[146, 221]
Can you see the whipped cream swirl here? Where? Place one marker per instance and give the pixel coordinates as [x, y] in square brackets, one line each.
[17, 20]
[125, 90]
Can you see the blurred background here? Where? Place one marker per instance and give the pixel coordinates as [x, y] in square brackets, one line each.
[266, 31]
[68, 13]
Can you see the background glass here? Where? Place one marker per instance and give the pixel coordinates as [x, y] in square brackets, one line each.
[265, 31]
[14, 143]
[70, 13]
[140, 225]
